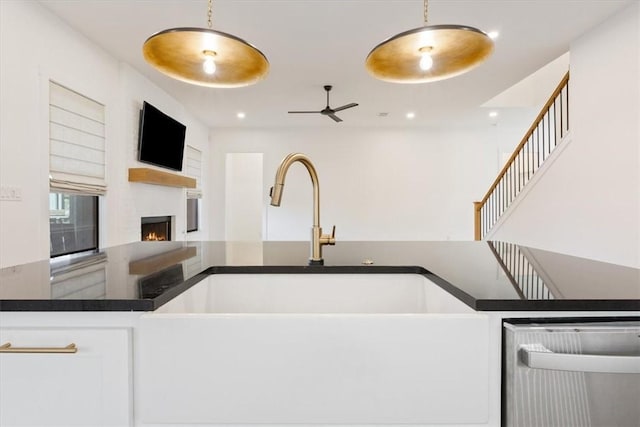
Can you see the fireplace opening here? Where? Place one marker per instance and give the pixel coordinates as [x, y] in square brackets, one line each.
[155, 228]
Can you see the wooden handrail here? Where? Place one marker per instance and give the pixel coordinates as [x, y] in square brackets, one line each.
[499, 198]
[533, 127]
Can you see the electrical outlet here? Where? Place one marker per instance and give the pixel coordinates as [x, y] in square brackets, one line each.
[10, 194]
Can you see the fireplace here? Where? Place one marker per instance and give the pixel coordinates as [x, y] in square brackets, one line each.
[155, 228]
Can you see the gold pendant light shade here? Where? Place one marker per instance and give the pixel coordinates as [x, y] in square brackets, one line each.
[429, 53]
[205, 57]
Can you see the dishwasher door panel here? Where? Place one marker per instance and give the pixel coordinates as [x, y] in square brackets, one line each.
[571, 374]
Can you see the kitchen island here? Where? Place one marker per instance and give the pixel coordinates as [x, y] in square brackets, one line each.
[134, 350]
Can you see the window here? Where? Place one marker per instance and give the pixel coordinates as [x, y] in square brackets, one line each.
[194, 170]
[192, 215]
[73, 222]
[76, 170]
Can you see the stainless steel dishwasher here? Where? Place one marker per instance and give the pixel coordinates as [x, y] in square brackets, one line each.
[571, 374]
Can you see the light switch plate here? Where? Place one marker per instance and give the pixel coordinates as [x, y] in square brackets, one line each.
[12, 194]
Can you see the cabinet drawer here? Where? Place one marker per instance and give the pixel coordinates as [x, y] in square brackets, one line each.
[89, 387]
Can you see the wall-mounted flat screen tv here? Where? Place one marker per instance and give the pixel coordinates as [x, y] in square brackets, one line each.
[161, 138]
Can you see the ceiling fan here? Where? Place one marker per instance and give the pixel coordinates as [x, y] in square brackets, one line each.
[328, 111]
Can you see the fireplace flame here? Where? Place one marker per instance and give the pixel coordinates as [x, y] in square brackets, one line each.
[155, 228]
[154, 237]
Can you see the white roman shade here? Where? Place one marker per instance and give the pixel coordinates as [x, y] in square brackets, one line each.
[193, 169]
[76, 143]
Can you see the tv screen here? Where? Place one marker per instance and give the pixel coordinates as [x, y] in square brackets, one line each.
[161, 138]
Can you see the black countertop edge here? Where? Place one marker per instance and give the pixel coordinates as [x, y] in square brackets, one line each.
[77, 305]
[137, 304]
[556, 320]
[151, 304]
[316, 269]
[557, 305]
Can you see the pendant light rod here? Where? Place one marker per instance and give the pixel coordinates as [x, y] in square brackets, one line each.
[209, 15]
[425, 12]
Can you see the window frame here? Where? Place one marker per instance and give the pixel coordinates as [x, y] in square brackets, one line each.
[196, 203]
[96, 227]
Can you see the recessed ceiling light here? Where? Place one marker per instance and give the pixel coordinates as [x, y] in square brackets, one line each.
[493, 114]
[241, 115]
[411, 115]
[493, 34]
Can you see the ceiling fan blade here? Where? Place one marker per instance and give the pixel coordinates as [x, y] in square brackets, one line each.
[344, 107]
[328, 111]
[334, 117]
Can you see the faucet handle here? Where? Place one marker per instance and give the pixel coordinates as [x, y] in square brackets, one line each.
[332, 238]
[326, 239]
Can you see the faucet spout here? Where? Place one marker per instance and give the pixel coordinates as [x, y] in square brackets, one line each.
[317, 238]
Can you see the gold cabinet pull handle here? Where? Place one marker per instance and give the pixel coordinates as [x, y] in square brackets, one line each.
[6, 348]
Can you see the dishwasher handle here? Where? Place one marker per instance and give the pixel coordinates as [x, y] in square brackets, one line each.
[537, 356]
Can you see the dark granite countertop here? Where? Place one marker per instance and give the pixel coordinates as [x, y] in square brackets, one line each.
[487, 276]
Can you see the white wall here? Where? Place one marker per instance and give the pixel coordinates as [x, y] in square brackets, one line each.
[135, 199]
[29, 58]
[375, 184]
[588, 203]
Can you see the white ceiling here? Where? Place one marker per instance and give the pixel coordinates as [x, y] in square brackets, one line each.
[310, 43]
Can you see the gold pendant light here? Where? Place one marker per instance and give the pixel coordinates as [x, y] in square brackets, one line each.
[205, 57]
[429, 53]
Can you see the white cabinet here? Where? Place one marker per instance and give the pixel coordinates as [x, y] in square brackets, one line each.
[91, 387]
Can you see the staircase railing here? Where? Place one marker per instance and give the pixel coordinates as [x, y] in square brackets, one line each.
[543, 136]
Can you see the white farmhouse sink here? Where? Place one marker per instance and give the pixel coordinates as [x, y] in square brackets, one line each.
[313, 349]
[315, 293]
